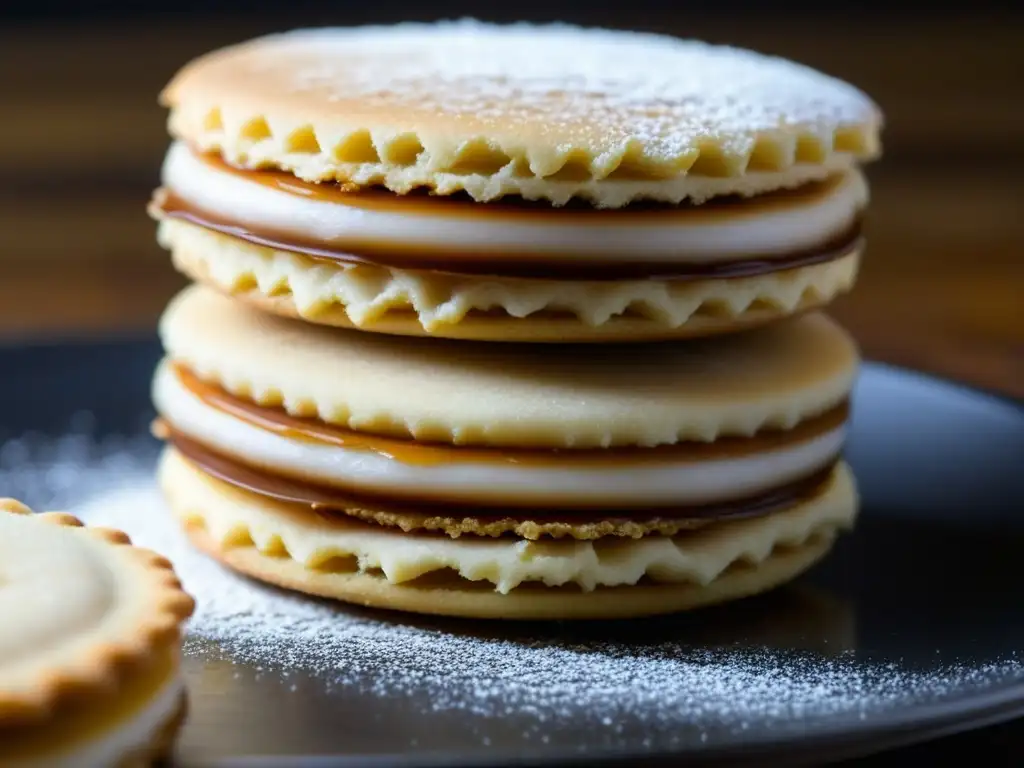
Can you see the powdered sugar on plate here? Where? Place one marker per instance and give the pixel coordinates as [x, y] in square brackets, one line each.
[667, 683]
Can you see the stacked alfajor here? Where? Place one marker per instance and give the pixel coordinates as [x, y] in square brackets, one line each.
[510, 321]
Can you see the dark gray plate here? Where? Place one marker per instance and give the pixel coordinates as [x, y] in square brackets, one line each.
[912, 626]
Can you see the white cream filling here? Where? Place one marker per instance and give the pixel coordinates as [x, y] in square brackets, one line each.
[111, 747]
[678, 236]
[660, 481]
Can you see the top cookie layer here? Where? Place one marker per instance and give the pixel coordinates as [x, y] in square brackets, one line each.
[78, 606]
[546, 112]
[515, 395]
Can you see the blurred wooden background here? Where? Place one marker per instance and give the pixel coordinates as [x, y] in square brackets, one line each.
[81, 140]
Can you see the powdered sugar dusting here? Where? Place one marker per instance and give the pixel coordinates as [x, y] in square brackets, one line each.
[544, 679]
[546, 112]
[501, 103]
[668, 90]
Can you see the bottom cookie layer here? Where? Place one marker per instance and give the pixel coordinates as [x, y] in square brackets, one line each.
[473, 599]
[299, 548]
[159, 751]
[136, 729]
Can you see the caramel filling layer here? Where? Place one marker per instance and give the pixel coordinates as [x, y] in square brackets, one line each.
[529, 266]
[322, 500]
[278, 422]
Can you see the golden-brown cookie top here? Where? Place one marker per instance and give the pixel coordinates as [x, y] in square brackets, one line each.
[548, 112]
[81, 608]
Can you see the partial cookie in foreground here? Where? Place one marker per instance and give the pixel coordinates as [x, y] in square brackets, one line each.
[90, 645]
[678, 189]
[509, 480]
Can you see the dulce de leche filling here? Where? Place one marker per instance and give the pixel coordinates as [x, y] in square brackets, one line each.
[279, 422]
[505, 262]
[328, 500]
[410, 452]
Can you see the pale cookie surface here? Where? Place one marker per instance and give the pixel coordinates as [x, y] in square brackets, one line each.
[515, 395]
[414, 303]
[87, 618]
[550, 112]
[349, 560]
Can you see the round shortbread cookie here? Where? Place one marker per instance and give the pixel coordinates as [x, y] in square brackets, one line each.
[89, 645]
[545, 112]
[535, 396]
[412, 303]
[334, 556]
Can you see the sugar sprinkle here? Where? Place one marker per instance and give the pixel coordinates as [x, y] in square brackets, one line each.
[701, 692]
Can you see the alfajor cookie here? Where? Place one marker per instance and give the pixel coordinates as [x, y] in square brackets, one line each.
[517, 481]
[89, 645]
[530, 183]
